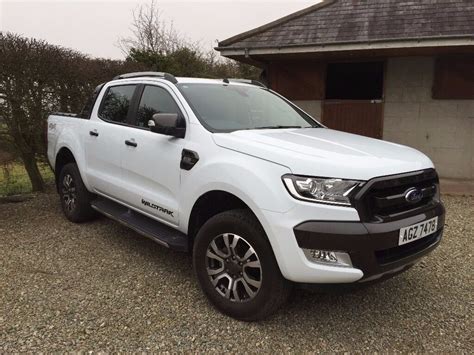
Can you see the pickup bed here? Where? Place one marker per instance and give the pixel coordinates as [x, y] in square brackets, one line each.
[259, 192]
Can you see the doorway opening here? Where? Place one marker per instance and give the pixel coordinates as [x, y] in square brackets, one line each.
[354, 81]
[353, 97]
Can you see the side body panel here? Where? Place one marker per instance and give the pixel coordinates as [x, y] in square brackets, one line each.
[67, 132]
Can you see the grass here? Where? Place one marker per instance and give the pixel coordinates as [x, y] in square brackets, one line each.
[14, 179]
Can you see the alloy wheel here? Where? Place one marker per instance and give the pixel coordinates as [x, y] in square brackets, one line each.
[233, 267]
[69, 192]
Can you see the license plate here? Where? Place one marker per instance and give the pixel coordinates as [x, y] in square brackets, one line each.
[418, 231]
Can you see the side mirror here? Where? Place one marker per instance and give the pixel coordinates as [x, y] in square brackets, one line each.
[170, 124]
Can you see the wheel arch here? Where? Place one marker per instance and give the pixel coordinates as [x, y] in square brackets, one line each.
[210, 204]
[63, 157]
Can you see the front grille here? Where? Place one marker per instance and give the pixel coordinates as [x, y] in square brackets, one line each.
[394, 254]
[383, 199]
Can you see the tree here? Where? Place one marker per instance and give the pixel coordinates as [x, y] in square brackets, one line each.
[37, 78]
[152, 34]
[27, 70]
[159, 46]
[181, 62]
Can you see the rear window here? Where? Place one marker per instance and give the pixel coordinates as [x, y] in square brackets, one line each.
[116, 103]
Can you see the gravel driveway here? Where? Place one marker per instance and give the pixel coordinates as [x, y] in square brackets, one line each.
[99, 286]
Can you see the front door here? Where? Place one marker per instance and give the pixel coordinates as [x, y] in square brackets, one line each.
[354, 98]
[151, 166]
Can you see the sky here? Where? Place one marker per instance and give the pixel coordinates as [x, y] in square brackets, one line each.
[94, 27]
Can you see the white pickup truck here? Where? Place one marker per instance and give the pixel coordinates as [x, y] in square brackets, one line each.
[262, 194]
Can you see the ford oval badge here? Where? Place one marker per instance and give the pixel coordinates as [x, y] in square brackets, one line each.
[414, 195]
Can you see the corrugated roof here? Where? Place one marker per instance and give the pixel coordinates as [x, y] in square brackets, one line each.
[354, 21]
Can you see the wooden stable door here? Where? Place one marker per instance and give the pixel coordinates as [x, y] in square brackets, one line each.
[354, 98]
[364, 117]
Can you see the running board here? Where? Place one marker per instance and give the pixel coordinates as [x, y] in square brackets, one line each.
[156, 231]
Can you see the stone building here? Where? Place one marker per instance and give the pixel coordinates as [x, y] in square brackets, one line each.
[401, 71]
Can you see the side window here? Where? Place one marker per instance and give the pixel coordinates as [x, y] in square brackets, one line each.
[116, 103]
[154, 100]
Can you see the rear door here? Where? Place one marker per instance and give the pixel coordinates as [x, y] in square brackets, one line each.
[151, 168]
[105, 141]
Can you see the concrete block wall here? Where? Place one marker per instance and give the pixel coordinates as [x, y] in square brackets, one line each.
[442, 129]
[312, 107]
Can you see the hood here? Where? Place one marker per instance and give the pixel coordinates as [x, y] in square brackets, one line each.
[325, 152]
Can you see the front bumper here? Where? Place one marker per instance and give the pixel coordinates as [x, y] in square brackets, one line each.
[373, 247]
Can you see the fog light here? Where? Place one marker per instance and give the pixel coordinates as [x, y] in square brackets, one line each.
[328, 257]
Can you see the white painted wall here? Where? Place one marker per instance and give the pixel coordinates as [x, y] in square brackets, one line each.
[442, 129]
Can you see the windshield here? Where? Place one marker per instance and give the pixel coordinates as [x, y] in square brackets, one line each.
[227, 108]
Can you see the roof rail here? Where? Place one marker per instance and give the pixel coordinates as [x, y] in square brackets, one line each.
[154, 74]
[246, 81]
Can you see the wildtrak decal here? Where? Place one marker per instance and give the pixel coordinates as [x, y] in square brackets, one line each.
[156, 207]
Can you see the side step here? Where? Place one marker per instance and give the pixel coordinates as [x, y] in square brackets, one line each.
[158, 232]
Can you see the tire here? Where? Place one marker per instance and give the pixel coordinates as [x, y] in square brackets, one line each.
[75, 198]
[266, 290]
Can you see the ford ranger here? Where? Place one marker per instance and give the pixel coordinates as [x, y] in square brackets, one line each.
[261, 194]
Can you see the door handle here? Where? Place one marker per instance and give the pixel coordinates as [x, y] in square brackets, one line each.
[94, 133]
[131, 143]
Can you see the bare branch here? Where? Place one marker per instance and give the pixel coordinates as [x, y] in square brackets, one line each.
[151, 33]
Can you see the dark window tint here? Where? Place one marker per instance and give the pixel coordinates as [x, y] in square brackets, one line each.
[354, 81]
[116, 103]
[154, 100]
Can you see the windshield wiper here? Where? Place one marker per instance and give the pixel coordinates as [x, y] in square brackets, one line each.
[276, 127]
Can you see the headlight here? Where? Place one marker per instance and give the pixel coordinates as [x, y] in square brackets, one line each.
[322, 190]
